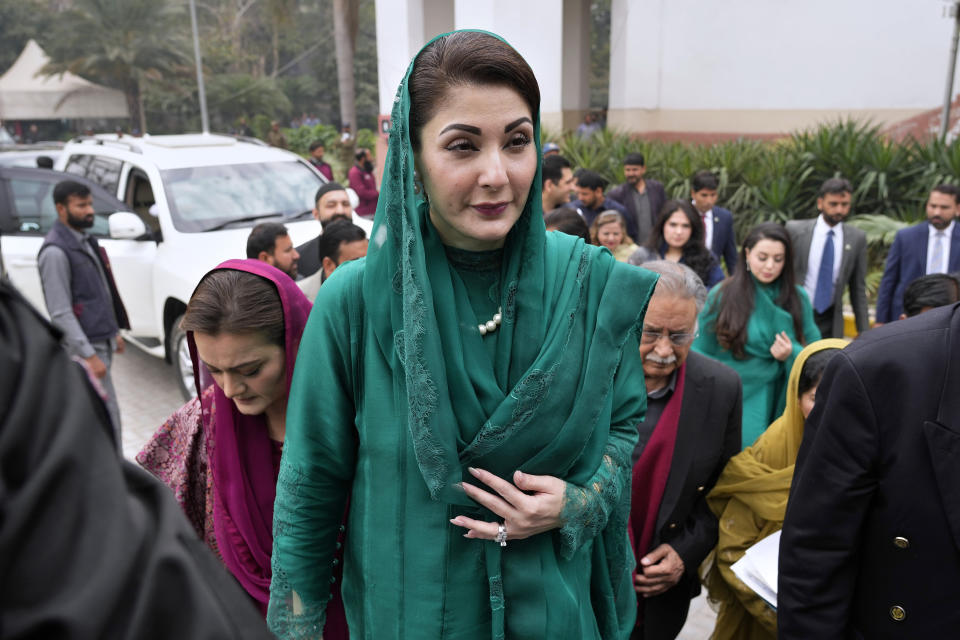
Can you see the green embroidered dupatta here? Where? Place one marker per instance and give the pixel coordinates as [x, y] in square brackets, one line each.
[764, 377]
[542, 404]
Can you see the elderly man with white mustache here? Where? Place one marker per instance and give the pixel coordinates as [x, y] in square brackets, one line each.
[691, 429]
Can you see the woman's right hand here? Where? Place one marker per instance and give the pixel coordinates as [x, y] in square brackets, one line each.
[781, 347]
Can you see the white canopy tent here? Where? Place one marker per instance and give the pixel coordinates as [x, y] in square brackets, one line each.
[27, 94]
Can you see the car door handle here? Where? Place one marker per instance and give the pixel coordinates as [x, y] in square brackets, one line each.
[23, 262]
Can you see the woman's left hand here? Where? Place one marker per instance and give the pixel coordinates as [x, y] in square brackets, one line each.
[782, 347]
[531, 505]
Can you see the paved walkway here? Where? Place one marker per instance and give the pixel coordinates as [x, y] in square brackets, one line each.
[148, 394]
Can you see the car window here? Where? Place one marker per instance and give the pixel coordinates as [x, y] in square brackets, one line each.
[34, 212]
[77, 165]
[105, 172]
[138, 196]
[202, 197]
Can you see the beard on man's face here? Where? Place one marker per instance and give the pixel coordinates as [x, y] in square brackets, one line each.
[336, 216]
[79, 221]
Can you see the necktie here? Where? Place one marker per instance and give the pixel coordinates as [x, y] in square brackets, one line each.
[823, 297]
[936, 262]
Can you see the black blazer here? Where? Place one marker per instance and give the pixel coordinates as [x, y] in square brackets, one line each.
[724, 241]
[655, 194]
[93, 546]
[708, 434]
[871, 542]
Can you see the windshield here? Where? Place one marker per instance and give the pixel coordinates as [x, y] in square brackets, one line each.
[204, 197]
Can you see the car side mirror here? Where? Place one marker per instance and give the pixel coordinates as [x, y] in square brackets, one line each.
[354, 198]
[125, 226]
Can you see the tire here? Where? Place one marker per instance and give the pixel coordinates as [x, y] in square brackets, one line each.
[182, 364]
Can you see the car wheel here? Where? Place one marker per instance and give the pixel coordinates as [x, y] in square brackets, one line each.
[182, 363]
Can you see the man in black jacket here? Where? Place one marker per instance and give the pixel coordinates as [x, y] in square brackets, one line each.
[641, 196]
[696, 404]
[92, 546]
[871, 541]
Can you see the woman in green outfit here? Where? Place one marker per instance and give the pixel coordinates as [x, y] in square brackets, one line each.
[473, 385]
[757, 321]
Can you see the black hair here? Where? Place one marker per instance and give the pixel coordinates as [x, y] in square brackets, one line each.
[67, 188]
[591, 180]
[735, 304]
[263, 237]
[695, 253]
[462, 59]
[635, 158]
[316, 144]
[360, 154]
[334, 235]
[948, 189]
[813, 368]
[325, 189]
[553, 167]
[834, 186]
[567, 220]
[930, 291]
[704, 180]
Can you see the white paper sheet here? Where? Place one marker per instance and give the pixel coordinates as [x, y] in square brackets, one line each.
[758, 568]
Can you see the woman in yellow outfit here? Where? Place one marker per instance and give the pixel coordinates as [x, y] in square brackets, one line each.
[750, 500]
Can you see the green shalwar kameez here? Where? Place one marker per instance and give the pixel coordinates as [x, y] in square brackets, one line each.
[764, 377]
[395, 393]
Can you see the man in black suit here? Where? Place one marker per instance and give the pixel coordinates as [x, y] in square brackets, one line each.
[692, 428]
[641, 196]
[845, 266]
[718, 230]
[871, 541]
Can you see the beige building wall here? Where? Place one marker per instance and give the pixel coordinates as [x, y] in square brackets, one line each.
[773, 66]
[741, 121]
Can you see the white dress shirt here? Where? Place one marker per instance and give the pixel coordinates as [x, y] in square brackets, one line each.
[820, 230]
[707, 225]
[943, 267]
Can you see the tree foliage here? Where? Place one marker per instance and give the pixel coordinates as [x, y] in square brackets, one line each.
[120, 43]
[273, 58]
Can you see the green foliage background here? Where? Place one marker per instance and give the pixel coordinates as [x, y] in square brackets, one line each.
[778, 181]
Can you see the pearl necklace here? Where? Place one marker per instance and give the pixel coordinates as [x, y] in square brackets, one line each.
[491, 325]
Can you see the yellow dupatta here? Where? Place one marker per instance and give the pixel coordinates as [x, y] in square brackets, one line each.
[750, 500]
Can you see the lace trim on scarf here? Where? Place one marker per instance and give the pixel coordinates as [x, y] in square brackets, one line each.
[588, 510]
[288, 615]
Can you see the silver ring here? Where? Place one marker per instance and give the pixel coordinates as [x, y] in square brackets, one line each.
[502, 534]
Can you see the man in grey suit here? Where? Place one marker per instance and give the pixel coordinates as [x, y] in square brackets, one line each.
[830, 256]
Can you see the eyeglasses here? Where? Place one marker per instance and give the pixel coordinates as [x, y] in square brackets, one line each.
[649, 336]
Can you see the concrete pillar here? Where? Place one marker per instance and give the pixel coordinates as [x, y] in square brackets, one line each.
[437, 18]
[535, 29]
[575, 66]
[403, 27]
[635, 65]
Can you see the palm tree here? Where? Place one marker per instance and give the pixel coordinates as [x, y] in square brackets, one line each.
[124, 44]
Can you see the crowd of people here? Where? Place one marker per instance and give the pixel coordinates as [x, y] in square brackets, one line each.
[541, 409]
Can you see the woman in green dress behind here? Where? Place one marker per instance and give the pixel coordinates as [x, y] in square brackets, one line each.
[473, 385]
[757, 321]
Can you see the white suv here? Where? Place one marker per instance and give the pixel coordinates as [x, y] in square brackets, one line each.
[196, 198]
